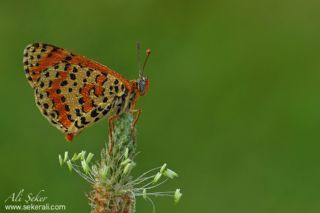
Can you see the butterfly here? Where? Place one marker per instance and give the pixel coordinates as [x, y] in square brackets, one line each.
[73, 92]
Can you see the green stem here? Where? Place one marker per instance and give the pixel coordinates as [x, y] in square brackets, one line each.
[111, 192]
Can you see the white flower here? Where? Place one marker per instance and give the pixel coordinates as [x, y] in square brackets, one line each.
[157, 177]
[126, 168]
[90, 156]
[177, 195]
[163, 168]
[65, 156]
[104, 171]
[69, 165]
[60, 160]
[81, 155]
[74, 157]
[125, 162]
[126, 153]
[170, 174]
[144, 194]
[85, 166]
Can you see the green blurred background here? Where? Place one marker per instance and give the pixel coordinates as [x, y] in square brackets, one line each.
[233, 104]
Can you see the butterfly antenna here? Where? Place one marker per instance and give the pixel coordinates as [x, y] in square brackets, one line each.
[138, 58]
[148, 52]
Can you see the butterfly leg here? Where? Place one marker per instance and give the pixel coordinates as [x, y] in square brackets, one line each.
[138, 111]
[111, 127]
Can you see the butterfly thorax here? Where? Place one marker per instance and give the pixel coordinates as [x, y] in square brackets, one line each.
[126, 101]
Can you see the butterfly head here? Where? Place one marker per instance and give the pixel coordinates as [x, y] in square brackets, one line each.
[142, 85]
[143, 82]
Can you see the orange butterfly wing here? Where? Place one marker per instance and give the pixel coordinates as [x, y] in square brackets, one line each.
[72, 91]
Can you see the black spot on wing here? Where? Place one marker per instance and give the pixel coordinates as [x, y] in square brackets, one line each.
[106, 110]
[116, 89]
[81, 101]
[68, 58]
[72, 76]
[94, 113]
[70, 118]
[66, 66]
[64, 83]
[76, 124]
[78, 113]
[83, 121]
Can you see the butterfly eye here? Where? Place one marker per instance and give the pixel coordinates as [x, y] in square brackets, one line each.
[141, 85]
